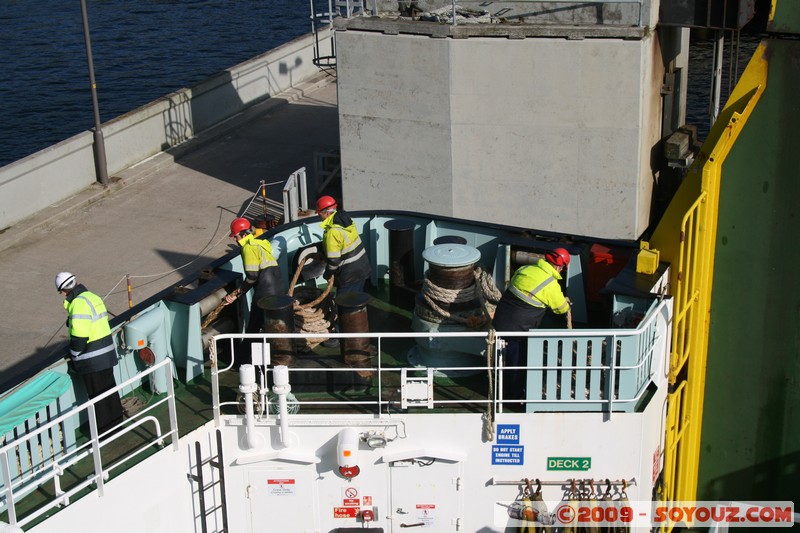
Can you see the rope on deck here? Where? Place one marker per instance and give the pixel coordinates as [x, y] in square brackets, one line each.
[484, 290]
[308, 317]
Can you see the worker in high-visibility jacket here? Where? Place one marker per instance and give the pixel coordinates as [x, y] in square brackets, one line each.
[345, 256]
[91, 347]
[346, 260]
[261, 271]
[534, 289]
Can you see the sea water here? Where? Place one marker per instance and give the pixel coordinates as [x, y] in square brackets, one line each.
[145, 49]
[142, 50]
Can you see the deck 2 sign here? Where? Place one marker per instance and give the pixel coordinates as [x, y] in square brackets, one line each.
[569, 463]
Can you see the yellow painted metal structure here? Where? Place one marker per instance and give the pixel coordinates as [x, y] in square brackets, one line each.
[686, 237]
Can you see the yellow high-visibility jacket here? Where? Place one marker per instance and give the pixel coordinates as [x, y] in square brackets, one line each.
[260, 267]
[91, 347]
[345, 255]
[537, 285]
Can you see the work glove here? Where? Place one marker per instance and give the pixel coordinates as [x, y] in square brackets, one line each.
[230, 298]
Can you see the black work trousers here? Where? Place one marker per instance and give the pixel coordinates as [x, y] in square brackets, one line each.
[109, 409]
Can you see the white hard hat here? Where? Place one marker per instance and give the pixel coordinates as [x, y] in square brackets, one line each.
[64, 281]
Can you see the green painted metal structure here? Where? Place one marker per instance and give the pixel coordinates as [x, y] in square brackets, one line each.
[729, 234]
[750, 444]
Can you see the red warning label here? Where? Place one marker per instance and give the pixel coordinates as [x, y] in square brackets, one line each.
[345, 512]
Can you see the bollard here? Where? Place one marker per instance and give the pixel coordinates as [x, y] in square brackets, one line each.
[401, 261]
[451, 267]
[356, 352]
[279, 318]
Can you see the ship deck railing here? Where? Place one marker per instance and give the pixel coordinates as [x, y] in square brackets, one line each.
[57, 454]
[54, 463]
[578, 370]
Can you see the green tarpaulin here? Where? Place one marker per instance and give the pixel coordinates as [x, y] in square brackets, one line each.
[29, 399]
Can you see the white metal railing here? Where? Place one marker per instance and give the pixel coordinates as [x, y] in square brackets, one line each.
[634, 359]
[295, 199]
[15, 487]
[295, 195]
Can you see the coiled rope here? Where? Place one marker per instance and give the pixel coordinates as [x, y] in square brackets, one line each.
[308, 318]
[489, 294]
[484, 290]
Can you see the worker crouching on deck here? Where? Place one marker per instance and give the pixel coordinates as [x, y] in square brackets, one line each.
[261, 271]
[533, 290]
[91, 347]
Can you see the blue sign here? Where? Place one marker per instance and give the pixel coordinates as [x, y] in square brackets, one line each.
[508, 433]
[508, 455]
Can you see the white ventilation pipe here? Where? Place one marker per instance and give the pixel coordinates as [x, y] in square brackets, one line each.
[281, 387]
[247, 386]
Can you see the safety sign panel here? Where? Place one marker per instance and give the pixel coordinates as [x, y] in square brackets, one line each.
[426, 514]
[507, 433]
[345, 512]
[508, 455]
[350, 497]
[280, 487]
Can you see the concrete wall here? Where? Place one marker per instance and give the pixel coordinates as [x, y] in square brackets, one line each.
[60, 171]
[548, 133]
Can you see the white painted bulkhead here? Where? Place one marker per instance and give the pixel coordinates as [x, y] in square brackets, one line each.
[488, 128]
[458, 491]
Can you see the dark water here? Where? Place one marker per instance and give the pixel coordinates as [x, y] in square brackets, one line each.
[144, 49]
[701, 62]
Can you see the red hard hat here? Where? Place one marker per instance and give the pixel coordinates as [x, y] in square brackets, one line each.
[325, 202]
[558, 257]
[239, 225]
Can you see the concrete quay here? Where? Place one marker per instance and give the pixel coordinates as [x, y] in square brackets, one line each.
[158, 221]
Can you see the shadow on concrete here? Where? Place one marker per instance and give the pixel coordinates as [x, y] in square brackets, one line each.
[270, 146]
[55, 349]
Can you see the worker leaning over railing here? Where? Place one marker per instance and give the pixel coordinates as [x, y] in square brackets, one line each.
[533, 290]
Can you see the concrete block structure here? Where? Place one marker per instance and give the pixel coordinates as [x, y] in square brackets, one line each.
[562, 122]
